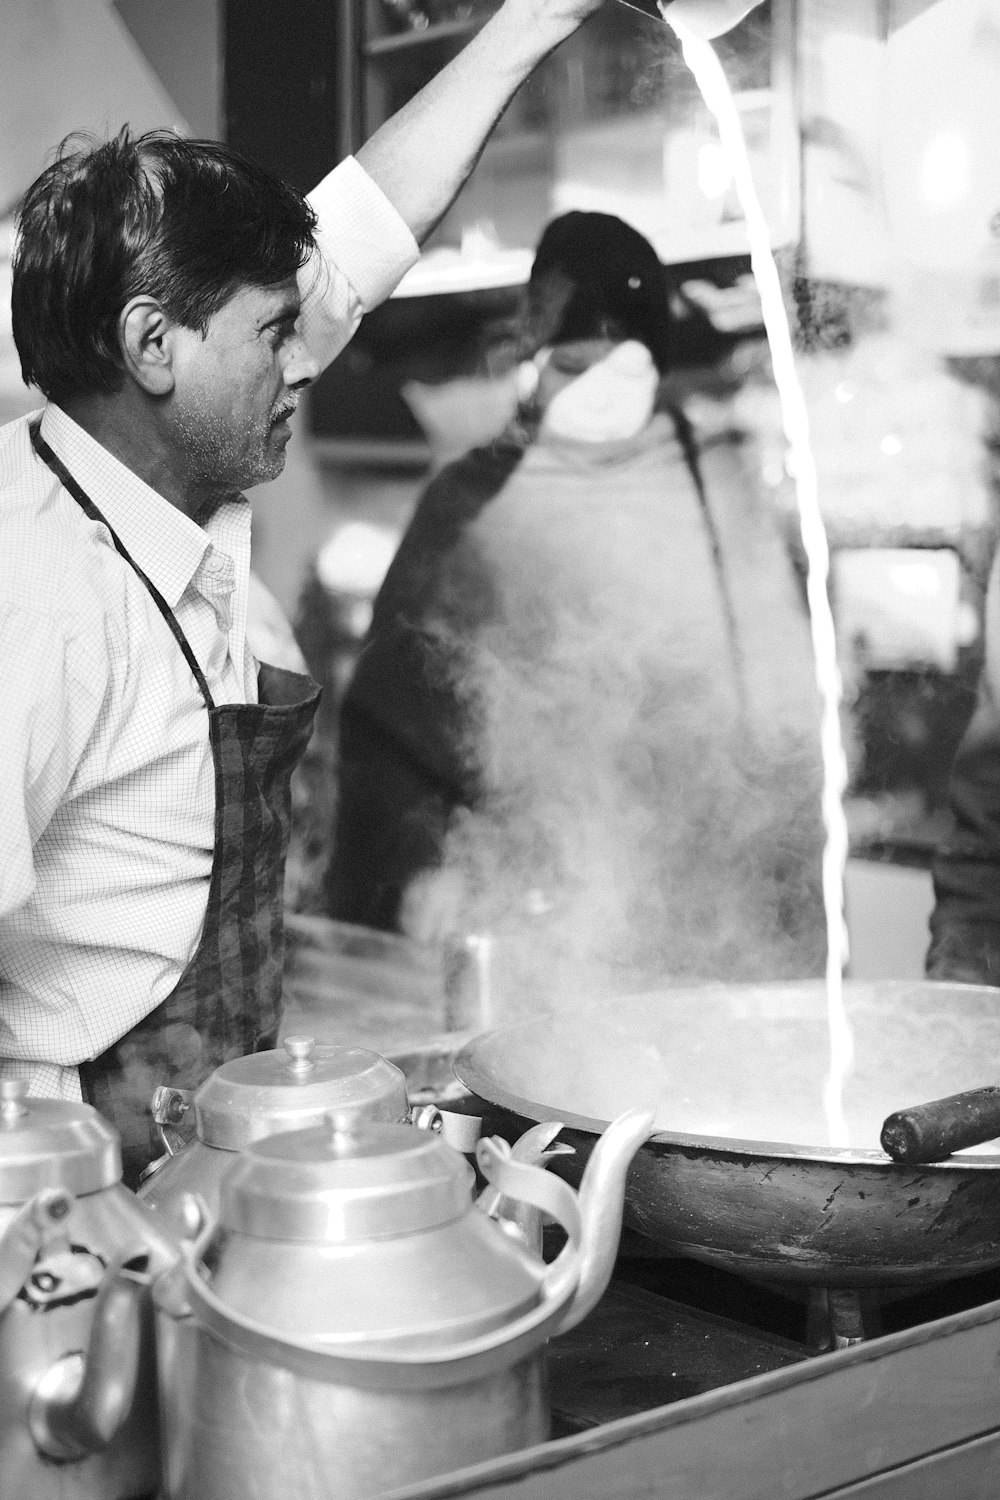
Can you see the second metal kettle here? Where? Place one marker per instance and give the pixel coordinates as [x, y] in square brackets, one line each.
[354, 1321]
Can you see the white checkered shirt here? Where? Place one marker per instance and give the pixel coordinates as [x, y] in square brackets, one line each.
[107, 800]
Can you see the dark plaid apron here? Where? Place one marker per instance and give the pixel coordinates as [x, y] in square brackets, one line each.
[227, 1001]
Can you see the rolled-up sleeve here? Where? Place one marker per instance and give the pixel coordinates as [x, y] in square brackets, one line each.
[363, 250]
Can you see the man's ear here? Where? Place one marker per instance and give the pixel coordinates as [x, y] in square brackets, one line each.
[144, 337]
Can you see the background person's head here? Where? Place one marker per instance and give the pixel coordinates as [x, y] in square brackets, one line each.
[594, 277]
[154, 237]
[596, 284]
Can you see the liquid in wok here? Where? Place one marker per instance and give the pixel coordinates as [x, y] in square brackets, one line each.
[748, 1063]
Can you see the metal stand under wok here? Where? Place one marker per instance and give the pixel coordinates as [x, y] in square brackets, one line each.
[840, 1317]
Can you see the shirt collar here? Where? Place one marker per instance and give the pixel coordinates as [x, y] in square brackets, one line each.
[165, 543]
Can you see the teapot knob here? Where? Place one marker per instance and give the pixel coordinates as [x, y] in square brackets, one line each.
[52, 1206]
[300, 1051]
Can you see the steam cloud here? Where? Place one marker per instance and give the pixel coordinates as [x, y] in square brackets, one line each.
[647, 818]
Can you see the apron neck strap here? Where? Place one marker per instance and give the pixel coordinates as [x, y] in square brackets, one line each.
[87, 505]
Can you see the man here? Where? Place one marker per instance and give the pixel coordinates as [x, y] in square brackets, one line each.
[571, 718]
[172, 301]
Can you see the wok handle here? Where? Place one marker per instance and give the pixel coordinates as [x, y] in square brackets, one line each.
[930, 1132]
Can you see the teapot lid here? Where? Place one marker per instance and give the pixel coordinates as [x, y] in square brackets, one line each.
[339, 1186]
[294, 1086]
[48, 1143]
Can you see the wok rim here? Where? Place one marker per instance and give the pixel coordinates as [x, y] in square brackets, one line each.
[474, 1078]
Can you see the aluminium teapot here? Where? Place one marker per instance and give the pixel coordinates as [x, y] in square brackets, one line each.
[78, 1253]
[288, 1088]
[354, 1321]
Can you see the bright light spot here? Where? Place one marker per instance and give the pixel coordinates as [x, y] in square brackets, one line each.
[920, 580]
[966, 624]
[714, 171]
[844, 392]
[891, 445]
[479, 240]
[944, 174]
[356, 558]
[359, 617]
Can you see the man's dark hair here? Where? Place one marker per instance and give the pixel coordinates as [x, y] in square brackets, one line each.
[187, 222]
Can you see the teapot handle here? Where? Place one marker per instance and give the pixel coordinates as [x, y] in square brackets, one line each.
[80, 1402]
[533, 1185]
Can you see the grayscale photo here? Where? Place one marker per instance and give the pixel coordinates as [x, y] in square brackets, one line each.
[500, 749]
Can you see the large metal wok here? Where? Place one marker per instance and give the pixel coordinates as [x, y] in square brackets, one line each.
[738, 1173]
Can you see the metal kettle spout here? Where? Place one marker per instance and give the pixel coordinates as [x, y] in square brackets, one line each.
[82, 1400]
[602, 1201]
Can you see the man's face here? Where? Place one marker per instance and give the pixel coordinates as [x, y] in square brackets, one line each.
[236, 388]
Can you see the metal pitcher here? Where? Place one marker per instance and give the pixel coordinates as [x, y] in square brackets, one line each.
[355, 1321]
[78, 1254]
[706, 18]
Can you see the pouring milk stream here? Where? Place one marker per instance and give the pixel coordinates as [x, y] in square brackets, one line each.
[711, 80]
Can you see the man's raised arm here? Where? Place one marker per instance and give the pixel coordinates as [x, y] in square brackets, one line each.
[423, 154]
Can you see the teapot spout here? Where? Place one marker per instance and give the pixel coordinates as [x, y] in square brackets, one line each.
[602, 1200]
[81, 1401]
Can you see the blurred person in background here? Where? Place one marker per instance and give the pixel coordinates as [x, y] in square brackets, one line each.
[588, 680]
[965, 921]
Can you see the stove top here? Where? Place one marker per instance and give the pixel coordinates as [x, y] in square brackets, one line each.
[667, 1329]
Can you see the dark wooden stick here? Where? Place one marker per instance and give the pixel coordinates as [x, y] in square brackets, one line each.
[930, 1132]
